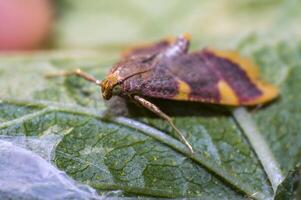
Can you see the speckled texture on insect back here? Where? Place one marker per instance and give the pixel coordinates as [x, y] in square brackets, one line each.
[167, 70]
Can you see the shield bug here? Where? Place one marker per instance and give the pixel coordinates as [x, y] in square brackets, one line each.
[166, 70]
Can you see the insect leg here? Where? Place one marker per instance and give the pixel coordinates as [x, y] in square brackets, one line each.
[150, 106]
[76, 72]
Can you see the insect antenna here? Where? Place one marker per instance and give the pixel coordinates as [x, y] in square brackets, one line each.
[77, 72]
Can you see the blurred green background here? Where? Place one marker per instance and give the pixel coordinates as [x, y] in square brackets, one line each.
[103, 24]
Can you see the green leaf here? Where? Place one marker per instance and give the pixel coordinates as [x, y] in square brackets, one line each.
[122, 154]
[290, 188]
[139, 155]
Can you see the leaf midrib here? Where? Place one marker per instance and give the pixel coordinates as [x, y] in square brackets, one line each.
[49, 107]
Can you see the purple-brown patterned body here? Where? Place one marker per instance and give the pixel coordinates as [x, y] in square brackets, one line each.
[166, 70]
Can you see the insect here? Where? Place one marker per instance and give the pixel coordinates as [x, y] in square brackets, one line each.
[166, 70]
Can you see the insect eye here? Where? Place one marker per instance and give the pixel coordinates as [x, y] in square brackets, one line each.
[116, 90]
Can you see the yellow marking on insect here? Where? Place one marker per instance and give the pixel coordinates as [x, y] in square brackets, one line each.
[245, 64]
[170, 39]
[187, 36]
[183, 91]
[269, 92]
[227, 94]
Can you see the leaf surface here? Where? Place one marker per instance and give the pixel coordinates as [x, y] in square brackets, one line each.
[139, 155]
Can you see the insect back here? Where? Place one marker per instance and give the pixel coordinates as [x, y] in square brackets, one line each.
[167, 70]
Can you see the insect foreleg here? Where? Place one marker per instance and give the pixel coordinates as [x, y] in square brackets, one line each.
[150, 106]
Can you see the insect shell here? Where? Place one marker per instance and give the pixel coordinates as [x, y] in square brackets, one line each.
[167, 70]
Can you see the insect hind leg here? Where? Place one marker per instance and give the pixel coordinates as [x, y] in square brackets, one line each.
[150, 106]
